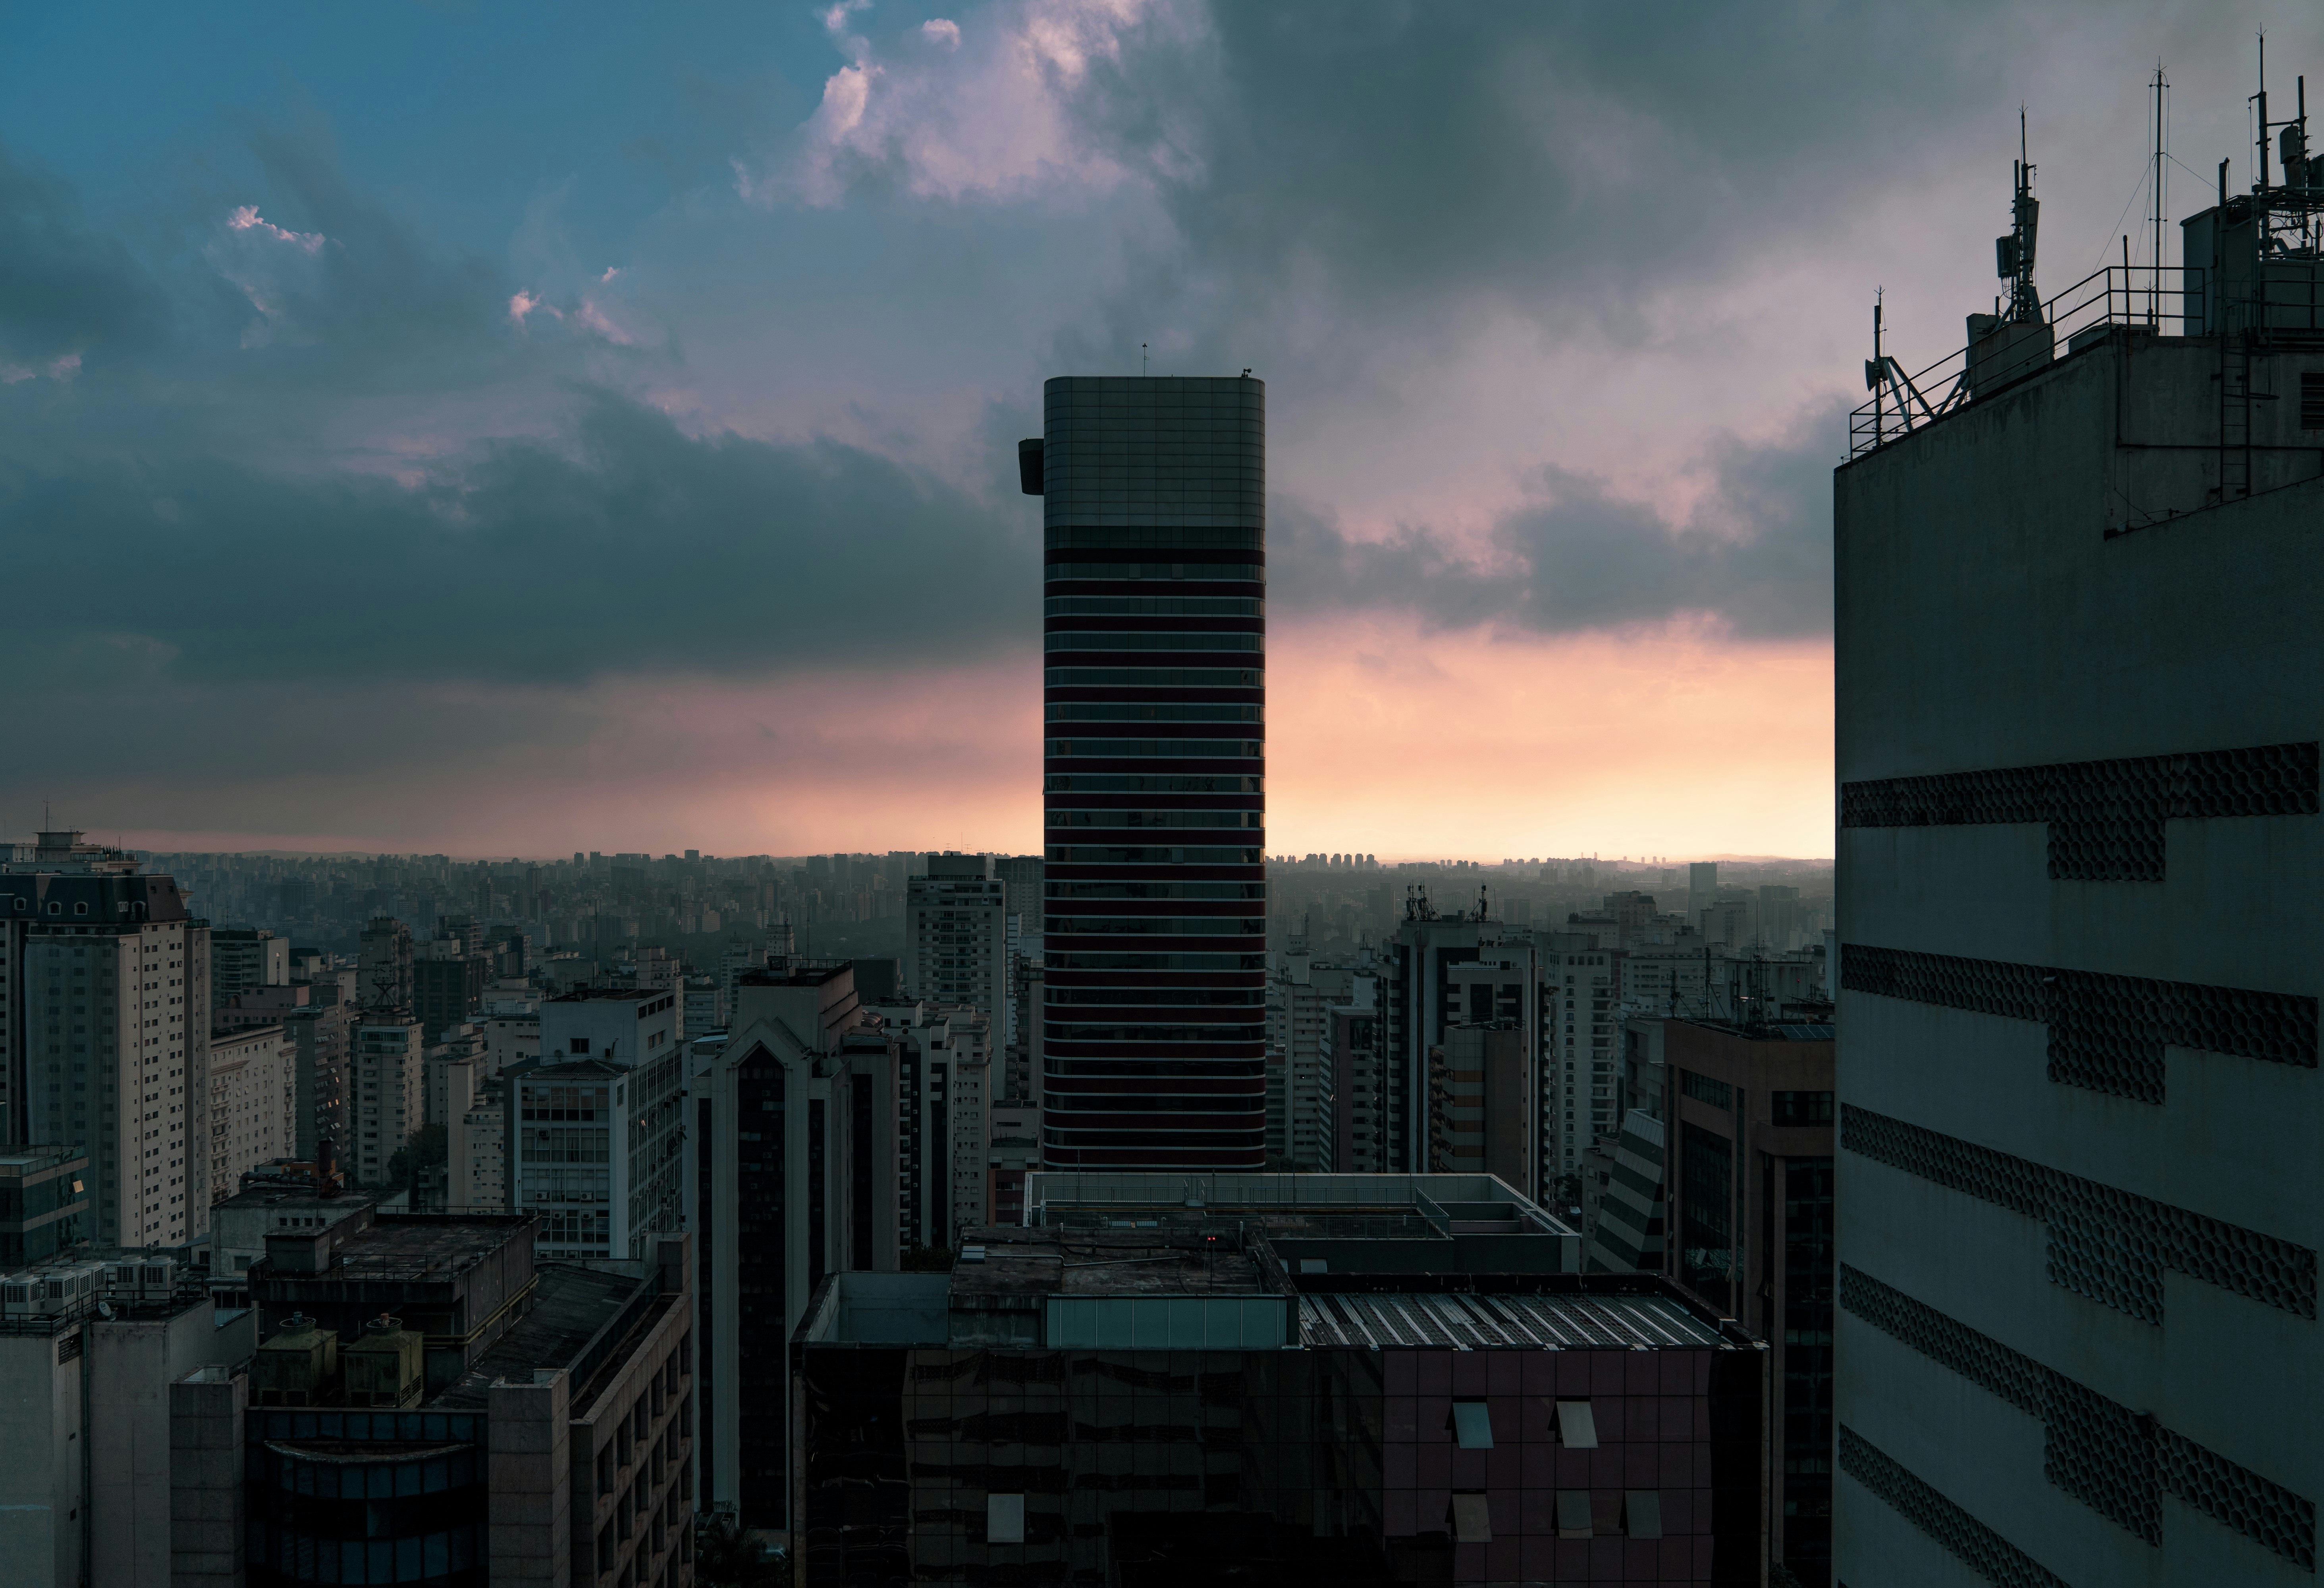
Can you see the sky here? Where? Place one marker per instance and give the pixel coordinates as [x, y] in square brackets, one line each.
[495, 430]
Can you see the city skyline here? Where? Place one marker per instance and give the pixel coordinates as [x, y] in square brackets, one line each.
[362, 406]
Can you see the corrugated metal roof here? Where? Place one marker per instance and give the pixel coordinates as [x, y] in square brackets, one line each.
[1484, 1323]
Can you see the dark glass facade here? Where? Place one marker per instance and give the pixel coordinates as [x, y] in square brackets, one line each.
[1343, 1466]
[366, 1497]
[1706, 1230]
[761, 1255]
[1154, 503]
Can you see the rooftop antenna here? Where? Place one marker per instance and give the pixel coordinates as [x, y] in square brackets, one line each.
[1141, 358]
[2155, 189]
[2014, 252]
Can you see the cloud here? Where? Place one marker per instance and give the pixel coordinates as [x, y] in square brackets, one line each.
[994, 113]
[246, 219]
[1752, 560]
[622, 544]
[64, 290]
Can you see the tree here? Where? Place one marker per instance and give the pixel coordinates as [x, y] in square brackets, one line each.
[423, 1149]
[725, 1556]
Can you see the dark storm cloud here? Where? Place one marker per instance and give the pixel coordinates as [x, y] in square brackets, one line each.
[625, 546]
[1755, 556]
[64, 288]
[1563, 158]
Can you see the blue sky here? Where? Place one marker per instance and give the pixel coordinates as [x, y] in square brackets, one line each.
[514, 430]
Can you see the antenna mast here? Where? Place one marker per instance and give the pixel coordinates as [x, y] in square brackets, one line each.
[2155, 189]
[2017, 248]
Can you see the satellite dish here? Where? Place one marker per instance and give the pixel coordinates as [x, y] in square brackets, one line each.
[105, 1309]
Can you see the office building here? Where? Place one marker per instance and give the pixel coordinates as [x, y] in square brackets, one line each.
[1480, 1101]
[429, 1404]
[597, 1153]
[105, 1022]
[383, 977]
[1155, 517]
[621, 1025]
[1702, 890]
[2077, 742]
[956, 936]
[943, 1130]
[254, 1104]
[321, 1036]
[792, 1171]
[240, 1225]
[386, 1092]
[703, 1001]
[476, 1148]
[1294, 1379]
[1443, 971]
[1360, 1092]
[43, 1203]
[1581, 1017]
[448, 985]
[1750, 1166]
[244, 959]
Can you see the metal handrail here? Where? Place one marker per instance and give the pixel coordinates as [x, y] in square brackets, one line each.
[2156, 297]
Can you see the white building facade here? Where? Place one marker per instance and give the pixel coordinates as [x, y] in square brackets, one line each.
[2079, 1200]
[254, 1113]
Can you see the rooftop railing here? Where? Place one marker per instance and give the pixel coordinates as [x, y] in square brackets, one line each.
[2163, 299]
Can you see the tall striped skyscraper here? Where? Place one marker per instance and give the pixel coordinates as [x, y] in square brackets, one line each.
[1154, 501]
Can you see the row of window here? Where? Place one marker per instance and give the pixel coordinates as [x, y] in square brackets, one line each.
[1251, 572]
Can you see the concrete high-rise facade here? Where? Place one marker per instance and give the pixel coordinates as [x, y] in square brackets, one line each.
[386, 1092]
[253, 1094]
[2078, 1197]
[104, 1025]
[1154, 506]
[955, 937]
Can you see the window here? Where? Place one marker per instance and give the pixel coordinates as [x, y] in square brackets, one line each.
[1004, 1518]
[1472, 1424]
[1803, 1108]
[1642, 1513]
[1706, 1089]
[2311, 401]
[1472, 1519]
[1577, 1427]
[580, 1045]
[1573, 1513]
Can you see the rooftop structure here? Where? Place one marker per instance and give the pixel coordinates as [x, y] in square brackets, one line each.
[541, 1418]
[2078, 1205]
[1166, 1378]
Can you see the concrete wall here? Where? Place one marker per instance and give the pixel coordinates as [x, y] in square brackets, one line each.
[1995, 612]
[529, 1533]
[207, 1513]
[132, 1363]
[41, 1499]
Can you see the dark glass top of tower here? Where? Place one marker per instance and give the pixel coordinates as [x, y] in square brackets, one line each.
[1122, 454]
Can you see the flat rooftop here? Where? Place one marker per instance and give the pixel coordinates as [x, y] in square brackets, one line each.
[802, 976]
[421, 1246]
[1038, 1262]
[291, 1193]
[570, 1307]
[1442, 1201]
